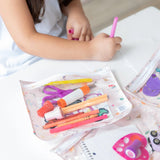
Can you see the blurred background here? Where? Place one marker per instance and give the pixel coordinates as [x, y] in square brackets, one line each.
[101, 12]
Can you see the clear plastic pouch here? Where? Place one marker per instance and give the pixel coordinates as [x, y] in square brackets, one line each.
[146, 86]
[104, 82]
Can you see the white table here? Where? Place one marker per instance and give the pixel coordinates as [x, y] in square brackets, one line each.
[140, 40]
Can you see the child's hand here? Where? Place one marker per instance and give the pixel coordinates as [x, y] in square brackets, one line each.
[78, 28]
[103, 47]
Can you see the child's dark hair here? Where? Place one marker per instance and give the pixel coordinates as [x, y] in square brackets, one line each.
[37, 8]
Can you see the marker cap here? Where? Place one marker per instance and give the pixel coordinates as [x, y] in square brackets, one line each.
[61, 102]
[85, 89]
[47, 107]
[73, 96]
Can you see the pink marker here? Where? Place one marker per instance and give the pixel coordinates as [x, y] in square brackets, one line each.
[69, 126]
[114, 27]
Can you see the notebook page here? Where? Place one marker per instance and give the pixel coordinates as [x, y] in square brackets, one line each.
[99, 147]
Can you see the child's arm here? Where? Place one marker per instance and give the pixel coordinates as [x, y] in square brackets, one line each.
[77, 21]
[19, 22]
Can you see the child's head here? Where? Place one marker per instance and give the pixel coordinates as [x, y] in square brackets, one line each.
[37, 8]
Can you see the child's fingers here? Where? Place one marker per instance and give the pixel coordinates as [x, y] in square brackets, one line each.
[86, 35]
[118, 40]
[69, 36]
[92, 36]
[77, 33]
[103, 35]
[89, 35]
[83, 34]
[118, 47]
[88, 38]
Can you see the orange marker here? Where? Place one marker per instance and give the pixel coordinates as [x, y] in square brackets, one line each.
[73, 96]
[47, 107]
[71, 119]
[54, 122]
[78, 120]
[73, 125]
[57, 120]
[84, 104]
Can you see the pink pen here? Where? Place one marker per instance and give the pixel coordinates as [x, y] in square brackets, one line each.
[69, 126]
[114, 27]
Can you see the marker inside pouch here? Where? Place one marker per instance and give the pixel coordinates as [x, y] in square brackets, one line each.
[72, 81]
[55, 114]
[47, 107]
[59, 113]
[73, 96]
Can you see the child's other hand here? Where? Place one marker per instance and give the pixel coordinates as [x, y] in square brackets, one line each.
[103, 47]
[79, 24]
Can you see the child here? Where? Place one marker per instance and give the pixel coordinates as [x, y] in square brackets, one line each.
[34, 29]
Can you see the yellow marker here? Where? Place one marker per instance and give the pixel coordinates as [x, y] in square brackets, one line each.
[73, 81]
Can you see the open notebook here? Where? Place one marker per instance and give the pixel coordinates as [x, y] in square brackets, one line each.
[99, 147]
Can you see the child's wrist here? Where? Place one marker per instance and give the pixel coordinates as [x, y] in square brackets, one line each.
[91, 50]
[76, 12]
[74, 7]
[86, 50]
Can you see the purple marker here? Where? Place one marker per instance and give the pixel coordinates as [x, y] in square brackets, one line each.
[114, 27]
